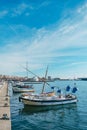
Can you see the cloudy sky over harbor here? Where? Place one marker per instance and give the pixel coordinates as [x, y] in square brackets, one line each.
[44, 32]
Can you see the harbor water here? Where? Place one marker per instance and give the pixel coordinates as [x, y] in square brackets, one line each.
[63, 117]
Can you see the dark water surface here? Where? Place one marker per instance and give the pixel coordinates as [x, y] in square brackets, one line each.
[66, 117]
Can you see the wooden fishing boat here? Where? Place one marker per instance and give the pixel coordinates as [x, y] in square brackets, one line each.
[49, 98]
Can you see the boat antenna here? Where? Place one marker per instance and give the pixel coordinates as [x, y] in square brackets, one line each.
[45, 80]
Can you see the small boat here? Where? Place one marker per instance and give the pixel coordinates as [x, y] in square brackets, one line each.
[47, 99]
[21, 88]
[50, 98]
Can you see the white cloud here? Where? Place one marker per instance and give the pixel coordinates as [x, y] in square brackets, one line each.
[45, 3]
[19, 9]
[43, 47]
[27, 14]
[82, 8]
[22, 8]
[47, 47]
[3, 13]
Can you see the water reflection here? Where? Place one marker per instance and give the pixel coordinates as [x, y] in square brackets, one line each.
[33, 109]
[63, 117]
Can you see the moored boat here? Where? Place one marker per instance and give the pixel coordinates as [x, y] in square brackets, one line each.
[21, 88]
[47, 99]
[50, 98]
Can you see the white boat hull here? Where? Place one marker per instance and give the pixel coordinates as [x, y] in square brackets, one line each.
[48, 102]
[22, 90]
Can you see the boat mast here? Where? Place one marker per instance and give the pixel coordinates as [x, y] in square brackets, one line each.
[45, 80]
[37, 75]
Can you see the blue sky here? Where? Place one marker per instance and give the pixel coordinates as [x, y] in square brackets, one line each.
[44, 32]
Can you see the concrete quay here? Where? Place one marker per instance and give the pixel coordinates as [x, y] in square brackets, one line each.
[5, 119]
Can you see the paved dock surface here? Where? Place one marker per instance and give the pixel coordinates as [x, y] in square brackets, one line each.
[5, 119]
